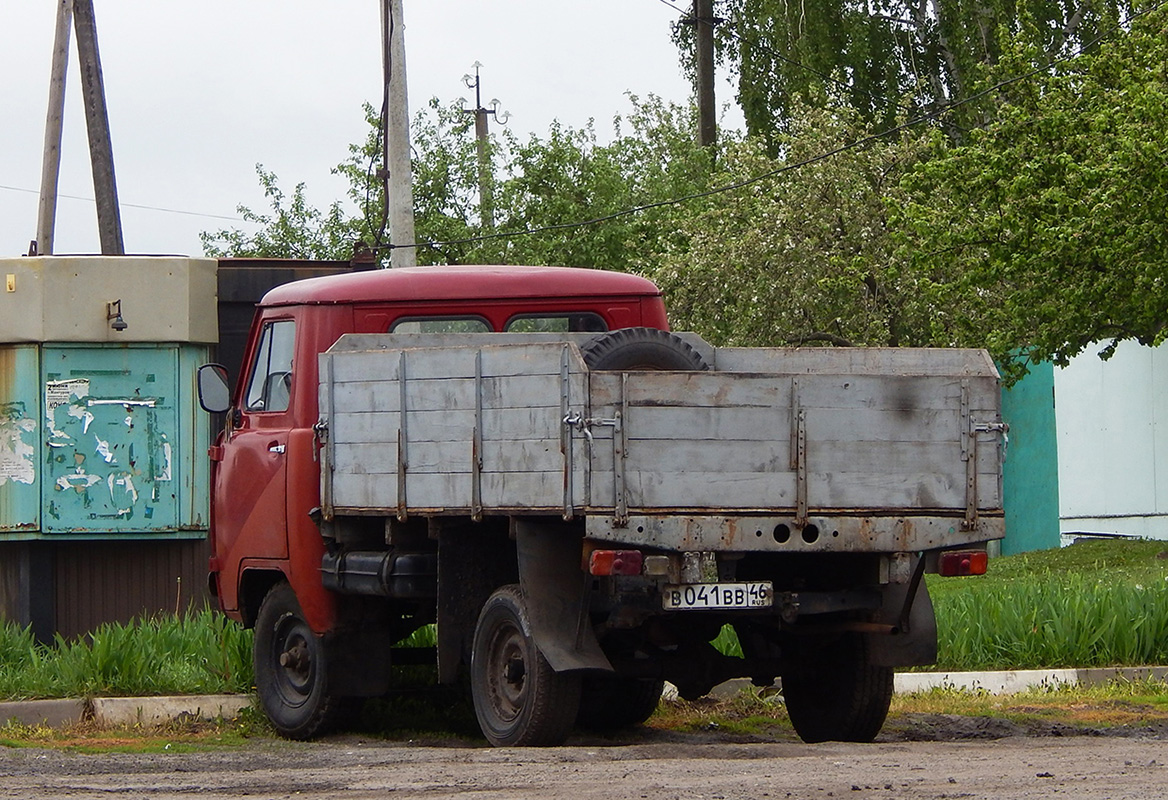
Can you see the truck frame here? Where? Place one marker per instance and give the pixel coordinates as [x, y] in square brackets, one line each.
[581, 501]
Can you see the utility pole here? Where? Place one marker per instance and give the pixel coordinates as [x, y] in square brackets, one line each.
[396, 173]
[486, 195]
[54, 123]
[704, 21]
[101, 151]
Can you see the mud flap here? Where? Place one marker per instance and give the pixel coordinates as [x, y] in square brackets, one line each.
[555, 589]
[914, 647]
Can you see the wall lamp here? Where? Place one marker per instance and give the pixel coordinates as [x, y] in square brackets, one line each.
[114, 315]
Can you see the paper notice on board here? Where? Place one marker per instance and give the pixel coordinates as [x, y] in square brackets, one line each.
[59, 393]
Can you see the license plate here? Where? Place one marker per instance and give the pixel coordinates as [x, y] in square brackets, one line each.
[717, 596]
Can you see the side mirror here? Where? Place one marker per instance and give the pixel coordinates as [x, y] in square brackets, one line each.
[214, 393]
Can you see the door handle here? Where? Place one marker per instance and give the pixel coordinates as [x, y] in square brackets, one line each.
[275, 448]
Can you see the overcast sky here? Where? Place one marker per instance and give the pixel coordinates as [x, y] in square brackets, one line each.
[200, 92]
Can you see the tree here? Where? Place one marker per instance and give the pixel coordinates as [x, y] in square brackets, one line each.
[559, 199]
[1052, 219]
[293, 229]
[804, 256]
[887, 57]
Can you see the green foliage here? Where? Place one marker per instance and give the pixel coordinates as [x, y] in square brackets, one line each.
[200, 653]
[1052, 218]
[538, 190]
[571, 178]
[886, 57]
[804, 256]
[1102, 603]
[1036, 236]
[293, 229]
[1093, 604]
[1077, 622]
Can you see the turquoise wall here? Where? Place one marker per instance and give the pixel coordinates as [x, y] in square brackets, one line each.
[1030, 475]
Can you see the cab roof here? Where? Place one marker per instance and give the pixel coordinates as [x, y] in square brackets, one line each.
[455, 283]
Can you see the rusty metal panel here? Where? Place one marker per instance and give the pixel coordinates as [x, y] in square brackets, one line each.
[111, 581]
[20, 445]
[874, 532]
[111, 439]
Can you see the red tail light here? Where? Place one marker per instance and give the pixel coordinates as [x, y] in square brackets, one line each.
[964, 562]
[615, 562]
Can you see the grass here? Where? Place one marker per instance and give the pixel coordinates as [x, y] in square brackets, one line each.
[754, 713]
[751, 715]
[199, 653]
[1096, 603]
[176, 737]
[1104, 705]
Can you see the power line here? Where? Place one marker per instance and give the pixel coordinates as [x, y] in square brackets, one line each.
[861, 142]
[132, 205]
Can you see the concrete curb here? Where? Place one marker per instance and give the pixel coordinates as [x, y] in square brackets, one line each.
[111, 711]
[52, 713]
[1013, 681]
[114, 711]
[1006, 682]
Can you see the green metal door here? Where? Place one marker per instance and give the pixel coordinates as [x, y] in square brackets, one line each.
[110, 433]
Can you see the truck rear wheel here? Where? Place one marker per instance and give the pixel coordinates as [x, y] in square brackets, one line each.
[833, 691]
[609, 702]
[641, 348]
[518, 698]
[291, 670]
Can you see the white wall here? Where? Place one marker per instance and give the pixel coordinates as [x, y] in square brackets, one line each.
[1112, 420]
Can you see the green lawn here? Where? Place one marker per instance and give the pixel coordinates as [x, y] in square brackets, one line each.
[1098, 603]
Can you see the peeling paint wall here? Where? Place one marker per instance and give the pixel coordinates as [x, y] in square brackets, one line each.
[17, 444]
[111, 418]
[102, 440]
[20, 433]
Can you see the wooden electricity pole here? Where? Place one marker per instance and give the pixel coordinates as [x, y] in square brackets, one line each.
[54, 123]
[101, 151]
[397, 182]
[704, 21]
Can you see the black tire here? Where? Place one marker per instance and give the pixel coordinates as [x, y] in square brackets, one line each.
[519, 699]
[610, 702]
[641, 348]
[291, 670]
[832, 690]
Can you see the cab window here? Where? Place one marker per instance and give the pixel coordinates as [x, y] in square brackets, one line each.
[270, 387]
[556, 323]
[441, 325]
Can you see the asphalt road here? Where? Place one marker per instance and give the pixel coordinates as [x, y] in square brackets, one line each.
[665, 766]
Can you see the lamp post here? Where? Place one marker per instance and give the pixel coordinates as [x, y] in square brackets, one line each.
[486, 204]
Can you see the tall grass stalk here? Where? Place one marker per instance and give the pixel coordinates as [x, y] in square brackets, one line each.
[199, 653]
[1071, 620]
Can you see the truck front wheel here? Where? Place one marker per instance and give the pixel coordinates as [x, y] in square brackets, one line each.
[832, 689]
[291, 671]
[518, 698]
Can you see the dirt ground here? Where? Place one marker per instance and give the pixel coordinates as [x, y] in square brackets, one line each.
[928, 757]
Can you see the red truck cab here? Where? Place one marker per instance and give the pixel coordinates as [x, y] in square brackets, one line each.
[265, 465]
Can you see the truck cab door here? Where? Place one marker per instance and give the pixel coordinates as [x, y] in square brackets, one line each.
[250, 494]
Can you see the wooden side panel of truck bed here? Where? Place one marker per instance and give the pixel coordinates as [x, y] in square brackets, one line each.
[506, 424]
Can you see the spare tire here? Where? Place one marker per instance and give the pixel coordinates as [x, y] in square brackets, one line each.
[640, 349]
